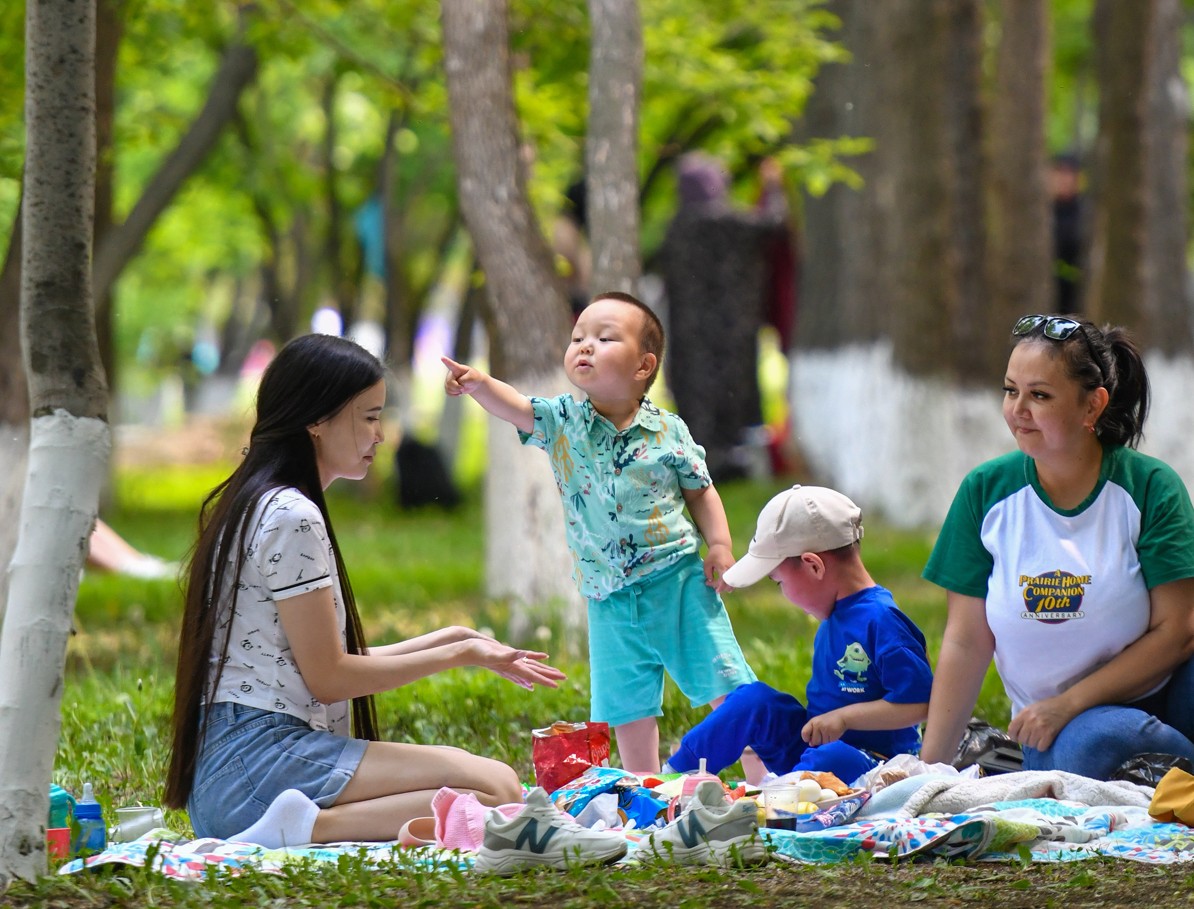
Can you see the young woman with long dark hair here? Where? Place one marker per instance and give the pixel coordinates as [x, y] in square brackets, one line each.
[271, 652]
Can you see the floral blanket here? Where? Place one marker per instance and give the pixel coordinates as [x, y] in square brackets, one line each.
[1039, 830]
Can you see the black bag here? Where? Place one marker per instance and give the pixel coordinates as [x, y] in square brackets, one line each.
[1147, 769]
[422, 477]
[992, 749]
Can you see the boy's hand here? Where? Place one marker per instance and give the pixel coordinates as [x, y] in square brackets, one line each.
[820, 730]
[461, 379]
[718, 560]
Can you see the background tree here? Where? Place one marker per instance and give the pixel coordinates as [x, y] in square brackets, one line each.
[912, 278]
[69, 434]
[525, 311]
[611, 149]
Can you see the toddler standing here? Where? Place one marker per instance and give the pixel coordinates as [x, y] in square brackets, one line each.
[626, 470]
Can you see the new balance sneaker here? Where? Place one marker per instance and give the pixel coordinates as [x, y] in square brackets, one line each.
[540, 835]
[712, 830]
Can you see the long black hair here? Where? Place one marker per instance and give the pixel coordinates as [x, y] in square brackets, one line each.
[310, 380]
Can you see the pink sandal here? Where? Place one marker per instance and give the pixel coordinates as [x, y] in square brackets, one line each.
[418, 831]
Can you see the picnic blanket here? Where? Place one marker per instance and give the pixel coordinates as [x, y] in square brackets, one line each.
[1027, 816]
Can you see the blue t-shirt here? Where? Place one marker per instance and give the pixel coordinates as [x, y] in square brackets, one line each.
[867, 650]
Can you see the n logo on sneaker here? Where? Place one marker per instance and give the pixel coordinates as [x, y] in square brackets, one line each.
[691, 830]
[530, 835]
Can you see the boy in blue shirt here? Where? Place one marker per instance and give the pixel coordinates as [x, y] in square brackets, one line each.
[626, 470]
[870, 681]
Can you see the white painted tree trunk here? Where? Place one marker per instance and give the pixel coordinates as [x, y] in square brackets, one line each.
[900, 445]
[527, 561]
[14, 452]
[69, 439]
[68, 459]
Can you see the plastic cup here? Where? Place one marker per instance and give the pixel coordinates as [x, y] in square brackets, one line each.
[780, 801]
[58, 842]
[132, 823]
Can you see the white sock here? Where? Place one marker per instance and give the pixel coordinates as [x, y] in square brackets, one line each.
[288, 821]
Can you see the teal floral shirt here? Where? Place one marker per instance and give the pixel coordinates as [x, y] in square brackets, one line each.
[623, 506]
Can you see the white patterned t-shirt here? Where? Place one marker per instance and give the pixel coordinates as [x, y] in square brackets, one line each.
[288, 554]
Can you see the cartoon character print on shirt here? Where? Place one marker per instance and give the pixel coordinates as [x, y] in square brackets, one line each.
[852, 668]
[1053, 597]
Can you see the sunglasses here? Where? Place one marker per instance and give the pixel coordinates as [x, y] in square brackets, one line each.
[1058, 328]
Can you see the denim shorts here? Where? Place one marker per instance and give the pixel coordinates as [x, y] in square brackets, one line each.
[250, 756]
[671, 620]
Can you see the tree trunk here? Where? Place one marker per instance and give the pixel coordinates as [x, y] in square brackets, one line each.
[117, 248]
[69, 438]
[109, 30]
[845, 229]
[343, 291]
[527, 312]
[1021, 238]
[976, 352]
[1118, 282]
[893, 286]
[14, 404]
[1167, 302]
[924, 284]
[611, 150]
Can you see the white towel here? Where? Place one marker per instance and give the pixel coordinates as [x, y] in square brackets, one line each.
[946, 795]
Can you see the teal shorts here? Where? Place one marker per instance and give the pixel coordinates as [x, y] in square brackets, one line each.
[670, 621]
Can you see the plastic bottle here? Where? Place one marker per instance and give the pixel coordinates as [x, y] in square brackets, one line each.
[90, 834]
[62, 807]
[692, 780]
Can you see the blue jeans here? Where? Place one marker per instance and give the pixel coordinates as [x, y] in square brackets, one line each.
[1097, 741]
[769, 721]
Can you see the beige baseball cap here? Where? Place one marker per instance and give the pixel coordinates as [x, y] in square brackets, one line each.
[798, 520]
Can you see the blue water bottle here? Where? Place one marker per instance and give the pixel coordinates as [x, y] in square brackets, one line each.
[90, 832]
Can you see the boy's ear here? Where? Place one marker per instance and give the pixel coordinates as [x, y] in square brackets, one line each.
[814, 563]
[646, 366]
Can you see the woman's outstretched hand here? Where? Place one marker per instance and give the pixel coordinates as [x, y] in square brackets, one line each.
[525, 668]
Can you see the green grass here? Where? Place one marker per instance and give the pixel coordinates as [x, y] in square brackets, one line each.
[412, 571]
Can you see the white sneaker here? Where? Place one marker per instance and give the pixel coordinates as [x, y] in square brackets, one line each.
[540, 835]
[712, 830]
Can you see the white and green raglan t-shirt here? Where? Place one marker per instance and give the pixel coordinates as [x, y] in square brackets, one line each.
[1065, 590]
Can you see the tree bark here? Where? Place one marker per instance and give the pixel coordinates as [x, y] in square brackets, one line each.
[611, 150]
[527, 311]
[108, 33]
[343, 291]
[1021, 239]
[1167, 302]
[845, 229]
[924, 283]
[976, 352]
[69, 436]
[1118, 281]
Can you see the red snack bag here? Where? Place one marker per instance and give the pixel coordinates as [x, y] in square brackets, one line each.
[563, 751]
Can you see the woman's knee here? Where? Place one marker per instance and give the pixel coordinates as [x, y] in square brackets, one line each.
[502, 786]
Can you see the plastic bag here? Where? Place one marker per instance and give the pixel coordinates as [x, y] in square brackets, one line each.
[563, 751]
[1148, 769]
[573, 796]
[993, 750]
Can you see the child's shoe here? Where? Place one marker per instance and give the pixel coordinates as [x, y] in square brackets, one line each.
[540, 834]
[711, 831]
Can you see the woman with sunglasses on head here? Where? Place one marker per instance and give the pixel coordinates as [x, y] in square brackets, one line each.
[1071, 563]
